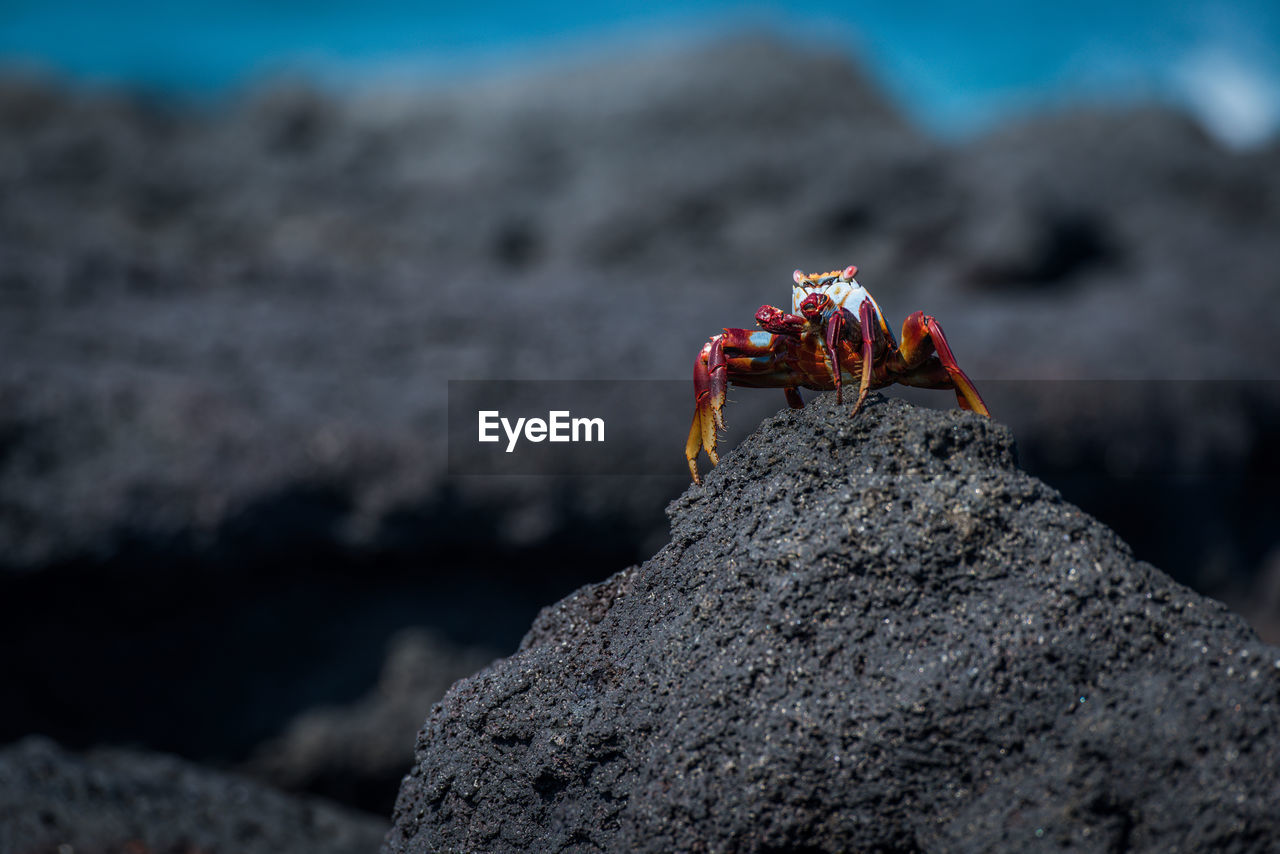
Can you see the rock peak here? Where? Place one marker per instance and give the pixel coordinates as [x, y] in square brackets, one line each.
[866, 633]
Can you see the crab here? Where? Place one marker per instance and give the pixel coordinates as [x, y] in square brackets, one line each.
[834, 334]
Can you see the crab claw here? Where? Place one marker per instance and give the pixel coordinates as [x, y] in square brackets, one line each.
[710, 381]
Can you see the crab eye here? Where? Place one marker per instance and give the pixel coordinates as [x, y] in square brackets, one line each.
[848, 273]
[798, 276]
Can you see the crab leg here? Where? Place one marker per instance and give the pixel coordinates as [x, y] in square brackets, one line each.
[773, 319]
[922, 337]
[870, 332]
[709, 384]
[840, 324]
[752, 358]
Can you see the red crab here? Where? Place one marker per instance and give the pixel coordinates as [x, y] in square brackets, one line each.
[835, 334]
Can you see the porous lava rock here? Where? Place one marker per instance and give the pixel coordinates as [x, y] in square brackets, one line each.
[873, 633]
[128, 802]
[226, 331]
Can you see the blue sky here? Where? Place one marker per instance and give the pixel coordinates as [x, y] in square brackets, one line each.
[956, 67]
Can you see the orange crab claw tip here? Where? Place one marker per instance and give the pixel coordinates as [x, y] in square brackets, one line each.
[849, 272]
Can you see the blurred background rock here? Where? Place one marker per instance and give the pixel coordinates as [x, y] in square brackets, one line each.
[240, 256]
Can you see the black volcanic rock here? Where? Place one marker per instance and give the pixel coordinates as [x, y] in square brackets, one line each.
[226, 332]
[867, 634]
[126, 802]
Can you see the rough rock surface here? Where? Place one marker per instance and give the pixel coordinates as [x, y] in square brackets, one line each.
[867, 634]
[225, 333]
[125, 802]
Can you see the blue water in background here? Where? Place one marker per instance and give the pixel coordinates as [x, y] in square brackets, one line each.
[955, 67]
